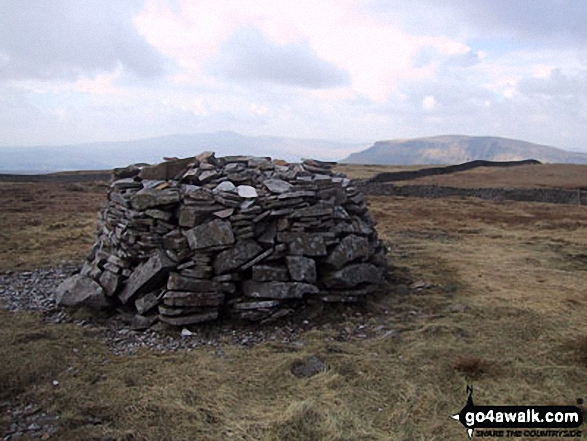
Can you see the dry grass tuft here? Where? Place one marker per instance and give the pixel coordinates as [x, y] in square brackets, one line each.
[472, 367]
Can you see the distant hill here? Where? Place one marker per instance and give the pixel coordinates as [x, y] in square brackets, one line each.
[456, 149]
[107, 155]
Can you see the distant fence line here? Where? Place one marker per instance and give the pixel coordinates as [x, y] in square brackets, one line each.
[548, 195]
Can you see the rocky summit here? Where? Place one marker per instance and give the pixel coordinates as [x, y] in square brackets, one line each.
[191, 240]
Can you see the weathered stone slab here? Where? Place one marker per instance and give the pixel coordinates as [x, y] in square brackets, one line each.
[147, 302]
[148, 276]
[177, 282]
[152, 197]
[350, 248]
[264, 304]
[353, 275]
[239, 254]
[110, 282]
[165, 170]
[187, 298]
[80, 290]
[246, 191]
[223, 214]
[277, 290]
[304, 244]
[301, 269]
[277, 185]
[270, 273]
[211, 234]
[191, 319]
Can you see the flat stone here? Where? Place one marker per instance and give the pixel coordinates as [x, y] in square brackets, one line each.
[207, 157]
[277, 290]
[305, 244]
[223, 214]
[110, 282]
[148, 276]
[191, 319]
[152, 197]
[301, 269]
[297, 194]
[126, 183]
[264, 304]
[147, 302]
[165, 170]
[277, 185]
[231, 259]
[350, 248]
[211, 234]
[226, 186]
[177, 282]
[80, 290]
[246, 191]
[187, 298]
[352, 275]
[207, 175]
[270, 273]
[257, 259]
[159, 214]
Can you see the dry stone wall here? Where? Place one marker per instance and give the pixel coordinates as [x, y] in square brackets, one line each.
[189, 240]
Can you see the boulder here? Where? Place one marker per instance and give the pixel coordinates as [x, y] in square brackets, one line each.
[79, 290]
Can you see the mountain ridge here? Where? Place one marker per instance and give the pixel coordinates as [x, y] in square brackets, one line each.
[110, 154]
[454, 149]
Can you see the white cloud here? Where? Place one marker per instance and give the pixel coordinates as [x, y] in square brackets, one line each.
[428, 103]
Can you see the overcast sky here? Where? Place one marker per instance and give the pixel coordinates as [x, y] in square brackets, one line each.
[97, 70]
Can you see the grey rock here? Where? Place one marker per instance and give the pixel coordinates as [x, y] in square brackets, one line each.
[165, 170]
[264, 304]
[277, 185]
[110, 282]
[301, 269]
[186, 298]
[225, 186]
[80, 290]
[353, 275]
[191, 319]
[147, 302]
[153, 197]
[223, 214]
[211, 234]
[246, 191]
[305, 244]
[270, 273]
[242, 252]
[148, 276]
[350, 248]
[277, 290]
[178, 282]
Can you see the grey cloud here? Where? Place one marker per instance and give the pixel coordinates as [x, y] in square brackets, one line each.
[249, 57]
[66, 38]
[557, 84]
[548, 22]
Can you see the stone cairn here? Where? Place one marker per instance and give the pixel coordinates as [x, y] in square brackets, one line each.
[189, 240]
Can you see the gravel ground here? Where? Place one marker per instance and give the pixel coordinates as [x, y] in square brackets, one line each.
[33, 291]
